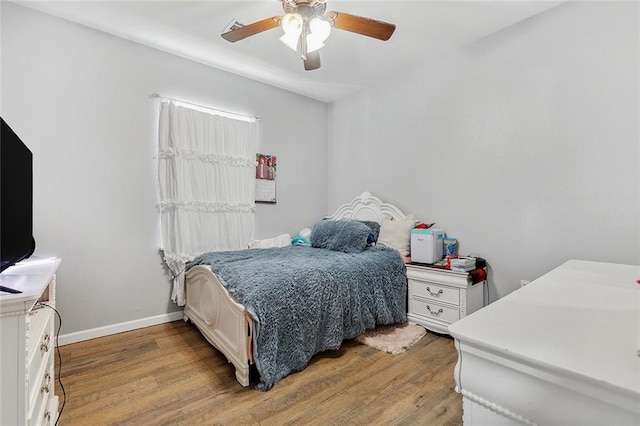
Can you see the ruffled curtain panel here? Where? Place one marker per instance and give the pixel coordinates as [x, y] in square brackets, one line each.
[206, 175]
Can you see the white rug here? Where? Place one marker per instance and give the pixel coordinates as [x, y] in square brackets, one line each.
[394, 339]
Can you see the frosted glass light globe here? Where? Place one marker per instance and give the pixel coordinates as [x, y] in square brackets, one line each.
[292, 23]
[320, 28]
[313, 43]
[291, 40]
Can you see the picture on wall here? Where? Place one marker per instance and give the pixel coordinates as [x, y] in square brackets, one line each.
[265, 178]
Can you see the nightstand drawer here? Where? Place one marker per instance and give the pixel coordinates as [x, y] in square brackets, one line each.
[437, 292]
[430, 310]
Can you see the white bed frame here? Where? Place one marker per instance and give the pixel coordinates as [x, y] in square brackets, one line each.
[224, 322]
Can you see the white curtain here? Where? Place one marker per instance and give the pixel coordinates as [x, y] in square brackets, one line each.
[206, 174]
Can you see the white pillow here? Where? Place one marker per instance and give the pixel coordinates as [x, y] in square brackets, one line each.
[397, 234]
[305, 233]
[279, 241]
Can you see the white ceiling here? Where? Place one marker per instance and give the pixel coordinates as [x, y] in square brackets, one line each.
[192, 29]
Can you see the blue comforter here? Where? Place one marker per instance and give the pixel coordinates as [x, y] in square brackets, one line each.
[306, 300]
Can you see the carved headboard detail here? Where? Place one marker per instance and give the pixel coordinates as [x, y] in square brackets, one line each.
[367, 207]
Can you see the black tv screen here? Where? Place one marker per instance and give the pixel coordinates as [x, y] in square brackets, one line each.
[16, 198]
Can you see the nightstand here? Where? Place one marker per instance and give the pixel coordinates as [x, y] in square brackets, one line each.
[439, 297]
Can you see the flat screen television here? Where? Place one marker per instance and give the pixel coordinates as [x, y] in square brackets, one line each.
[16, 199]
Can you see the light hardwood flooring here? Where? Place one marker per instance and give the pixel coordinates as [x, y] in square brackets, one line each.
[169, 375]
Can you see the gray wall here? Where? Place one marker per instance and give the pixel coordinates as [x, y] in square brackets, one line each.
[524, 145]
[79, 99]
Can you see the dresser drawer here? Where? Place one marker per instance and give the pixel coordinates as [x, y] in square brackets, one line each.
[38, 415]
[40, 330]
[431, 310]
[41, 387]
[51, 414]
[435, 292]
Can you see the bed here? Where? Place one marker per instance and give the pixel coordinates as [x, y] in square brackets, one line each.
[306, 309]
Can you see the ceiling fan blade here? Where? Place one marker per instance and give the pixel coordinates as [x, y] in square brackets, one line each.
[251, 29]
[312, 62]
[364, 26]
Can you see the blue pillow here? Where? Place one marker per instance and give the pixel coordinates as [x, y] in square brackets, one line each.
[349, 236]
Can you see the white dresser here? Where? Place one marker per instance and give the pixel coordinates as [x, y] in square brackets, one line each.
[439, 297]
[27, 336]
[561, 350]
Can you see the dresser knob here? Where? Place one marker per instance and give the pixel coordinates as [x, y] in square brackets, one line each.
[44, 388]
[435, 294]
[436, 313]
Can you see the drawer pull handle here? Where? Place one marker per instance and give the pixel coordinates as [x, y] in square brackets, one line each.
[47, 380]
[45, 343]
[436, 313]
[435, 294]
[47, 417]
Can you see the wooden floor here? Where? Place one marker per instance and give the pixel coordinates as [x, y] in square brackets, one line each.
[169, 375]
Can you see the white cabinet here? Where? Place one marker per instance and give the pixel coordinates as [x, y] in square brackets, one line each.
[439, 297]
[562, 350]
[27, 322]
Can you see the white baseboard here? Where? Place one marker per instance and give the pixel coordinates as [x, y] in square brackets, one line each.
[80, 336]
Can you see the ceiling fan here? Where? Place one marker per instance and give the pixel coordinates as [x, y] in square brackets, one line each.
[306, 26]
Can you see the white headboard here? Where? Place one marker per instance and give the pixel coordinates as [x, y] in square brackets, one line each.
[367, 207]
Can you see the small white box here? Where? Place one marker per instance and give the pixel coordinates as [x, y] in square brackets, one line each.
[426, 245]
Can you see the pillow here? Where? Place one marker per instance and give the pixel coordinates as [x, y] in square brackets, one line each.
[374, 227]
[279, 241]
[349, 236]
[396, 234]
[305, 233]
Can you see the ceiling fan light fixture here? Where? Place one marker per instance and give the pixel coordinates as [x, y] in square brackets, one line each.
[292, 23]
[291, 40]
[313, 43]
[320, 28]
[307, 25]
